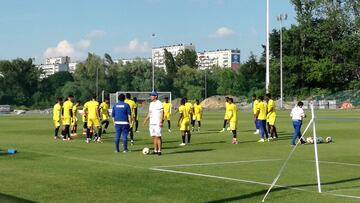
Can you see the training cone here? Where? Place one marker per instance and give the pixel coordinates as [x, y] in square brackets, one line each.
[11, 151]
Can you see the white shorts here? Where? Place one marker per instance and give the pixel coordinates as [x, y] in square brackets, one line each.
[155, 131]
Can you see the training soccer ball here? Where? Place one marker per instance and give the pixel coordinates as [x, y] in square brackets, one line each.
[319, 140]
[146, 151]
[328, 140]
[310, 140]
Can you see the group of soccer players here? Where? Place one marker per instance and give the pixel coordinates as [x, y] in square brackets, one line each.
[96, 118]
[264, 117]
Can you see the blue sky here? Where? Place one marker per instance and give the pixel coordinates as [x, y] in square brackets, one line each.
[123, 28]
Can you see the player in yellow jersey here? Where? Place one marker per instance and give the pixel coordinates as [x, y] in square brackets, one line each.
[255, 103]
[132, 109]
[104, 112]
[261, 116]
[67, 114]
[136, 114]
[184, 121]
[271, 116]
[233, 120]
[93, 119]
[74, 119]
[84, 118]
[57, 116]
[167, 112]
[226, 117]
[197, 115]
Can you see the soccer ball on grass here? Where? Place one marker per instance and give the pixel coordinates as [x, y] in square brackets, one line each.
[328, 140]
[310, 140]
[146, 151]
[319, 140]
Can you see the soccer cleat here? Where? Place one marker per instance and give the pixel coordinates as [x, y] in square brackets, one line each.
[104, 132]
[125, 151]
[99, 140]
[223, 130]
[182, 144]
[137, 131]
[68, 139]
[56, 137]
[268, 139]
[198, 129]
[261, 140]
[159, 153]
[153, 153]
[169, 131]
[256, 132]
[132, 142]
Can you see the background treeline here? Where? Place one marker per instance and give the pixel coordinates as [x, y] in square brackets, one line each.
[321, 56]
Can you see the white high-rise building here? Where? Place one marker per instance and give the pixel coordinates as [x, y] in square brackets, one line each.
[158, 54]
[225, 58]
[58, 60]
[56, 64]
[72, 67]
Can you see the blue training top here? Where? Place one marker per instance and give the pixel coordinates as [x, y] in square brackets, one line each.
[120, 113]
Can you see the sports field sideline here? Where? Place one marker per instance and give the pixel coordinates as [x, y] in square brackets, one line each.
[211, 169]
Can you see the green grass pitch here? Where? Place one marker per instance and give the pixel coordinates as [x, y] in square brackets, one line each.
[211, 169]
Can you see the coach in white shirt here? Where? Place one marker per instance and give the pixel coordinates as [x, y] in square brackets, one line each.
[155, 115]
[297, 115]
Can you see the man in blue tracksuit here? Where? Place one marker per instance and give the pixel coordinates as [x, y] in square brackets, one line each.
[121, 115]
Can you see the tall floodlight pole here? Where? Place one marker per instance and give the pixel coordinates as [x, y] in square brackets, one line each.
[97, 82]
[208, 60]
[152, 61]
[281, 18]
[267, 49]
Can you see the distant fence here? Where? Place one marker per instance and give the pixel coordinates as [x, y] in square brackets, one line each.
[5, 109]
[321, 104]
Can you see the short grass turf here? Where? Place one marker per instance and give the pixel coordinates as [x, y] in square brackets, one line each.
[48, 170]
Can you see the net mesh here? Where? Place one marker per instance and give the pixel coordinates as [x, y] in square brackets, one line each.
[142, 97]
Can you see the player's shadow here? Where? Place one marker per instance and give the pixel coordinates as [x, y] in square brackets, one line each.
[10, 198]
[191, 151]
[261, 193]
[202, 143]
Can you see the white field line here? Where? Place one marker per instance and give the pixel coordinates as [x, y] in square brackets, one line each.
[87, 160]
[349, 189]
[199, 174]
[218, 163]
[250, 182]
[339, 163]
[224, 178]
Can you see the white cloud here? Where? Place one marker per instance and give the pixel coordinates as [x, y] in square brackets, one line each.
[95, 34]
[66, 48]
[134, 46]
[83, 44]
[63, 48]
[222, 32]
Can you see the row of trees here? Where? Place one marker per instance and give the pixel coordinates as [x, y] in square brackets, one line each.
[321, 56]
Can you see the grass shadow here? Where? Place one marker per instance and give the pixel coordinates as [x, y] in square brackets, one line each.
[191, 151]
[10, 198]
[261, 193]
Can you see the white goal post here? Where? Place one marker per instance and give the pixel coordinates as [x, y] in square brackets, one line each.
[141, 96]
[311, 123]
